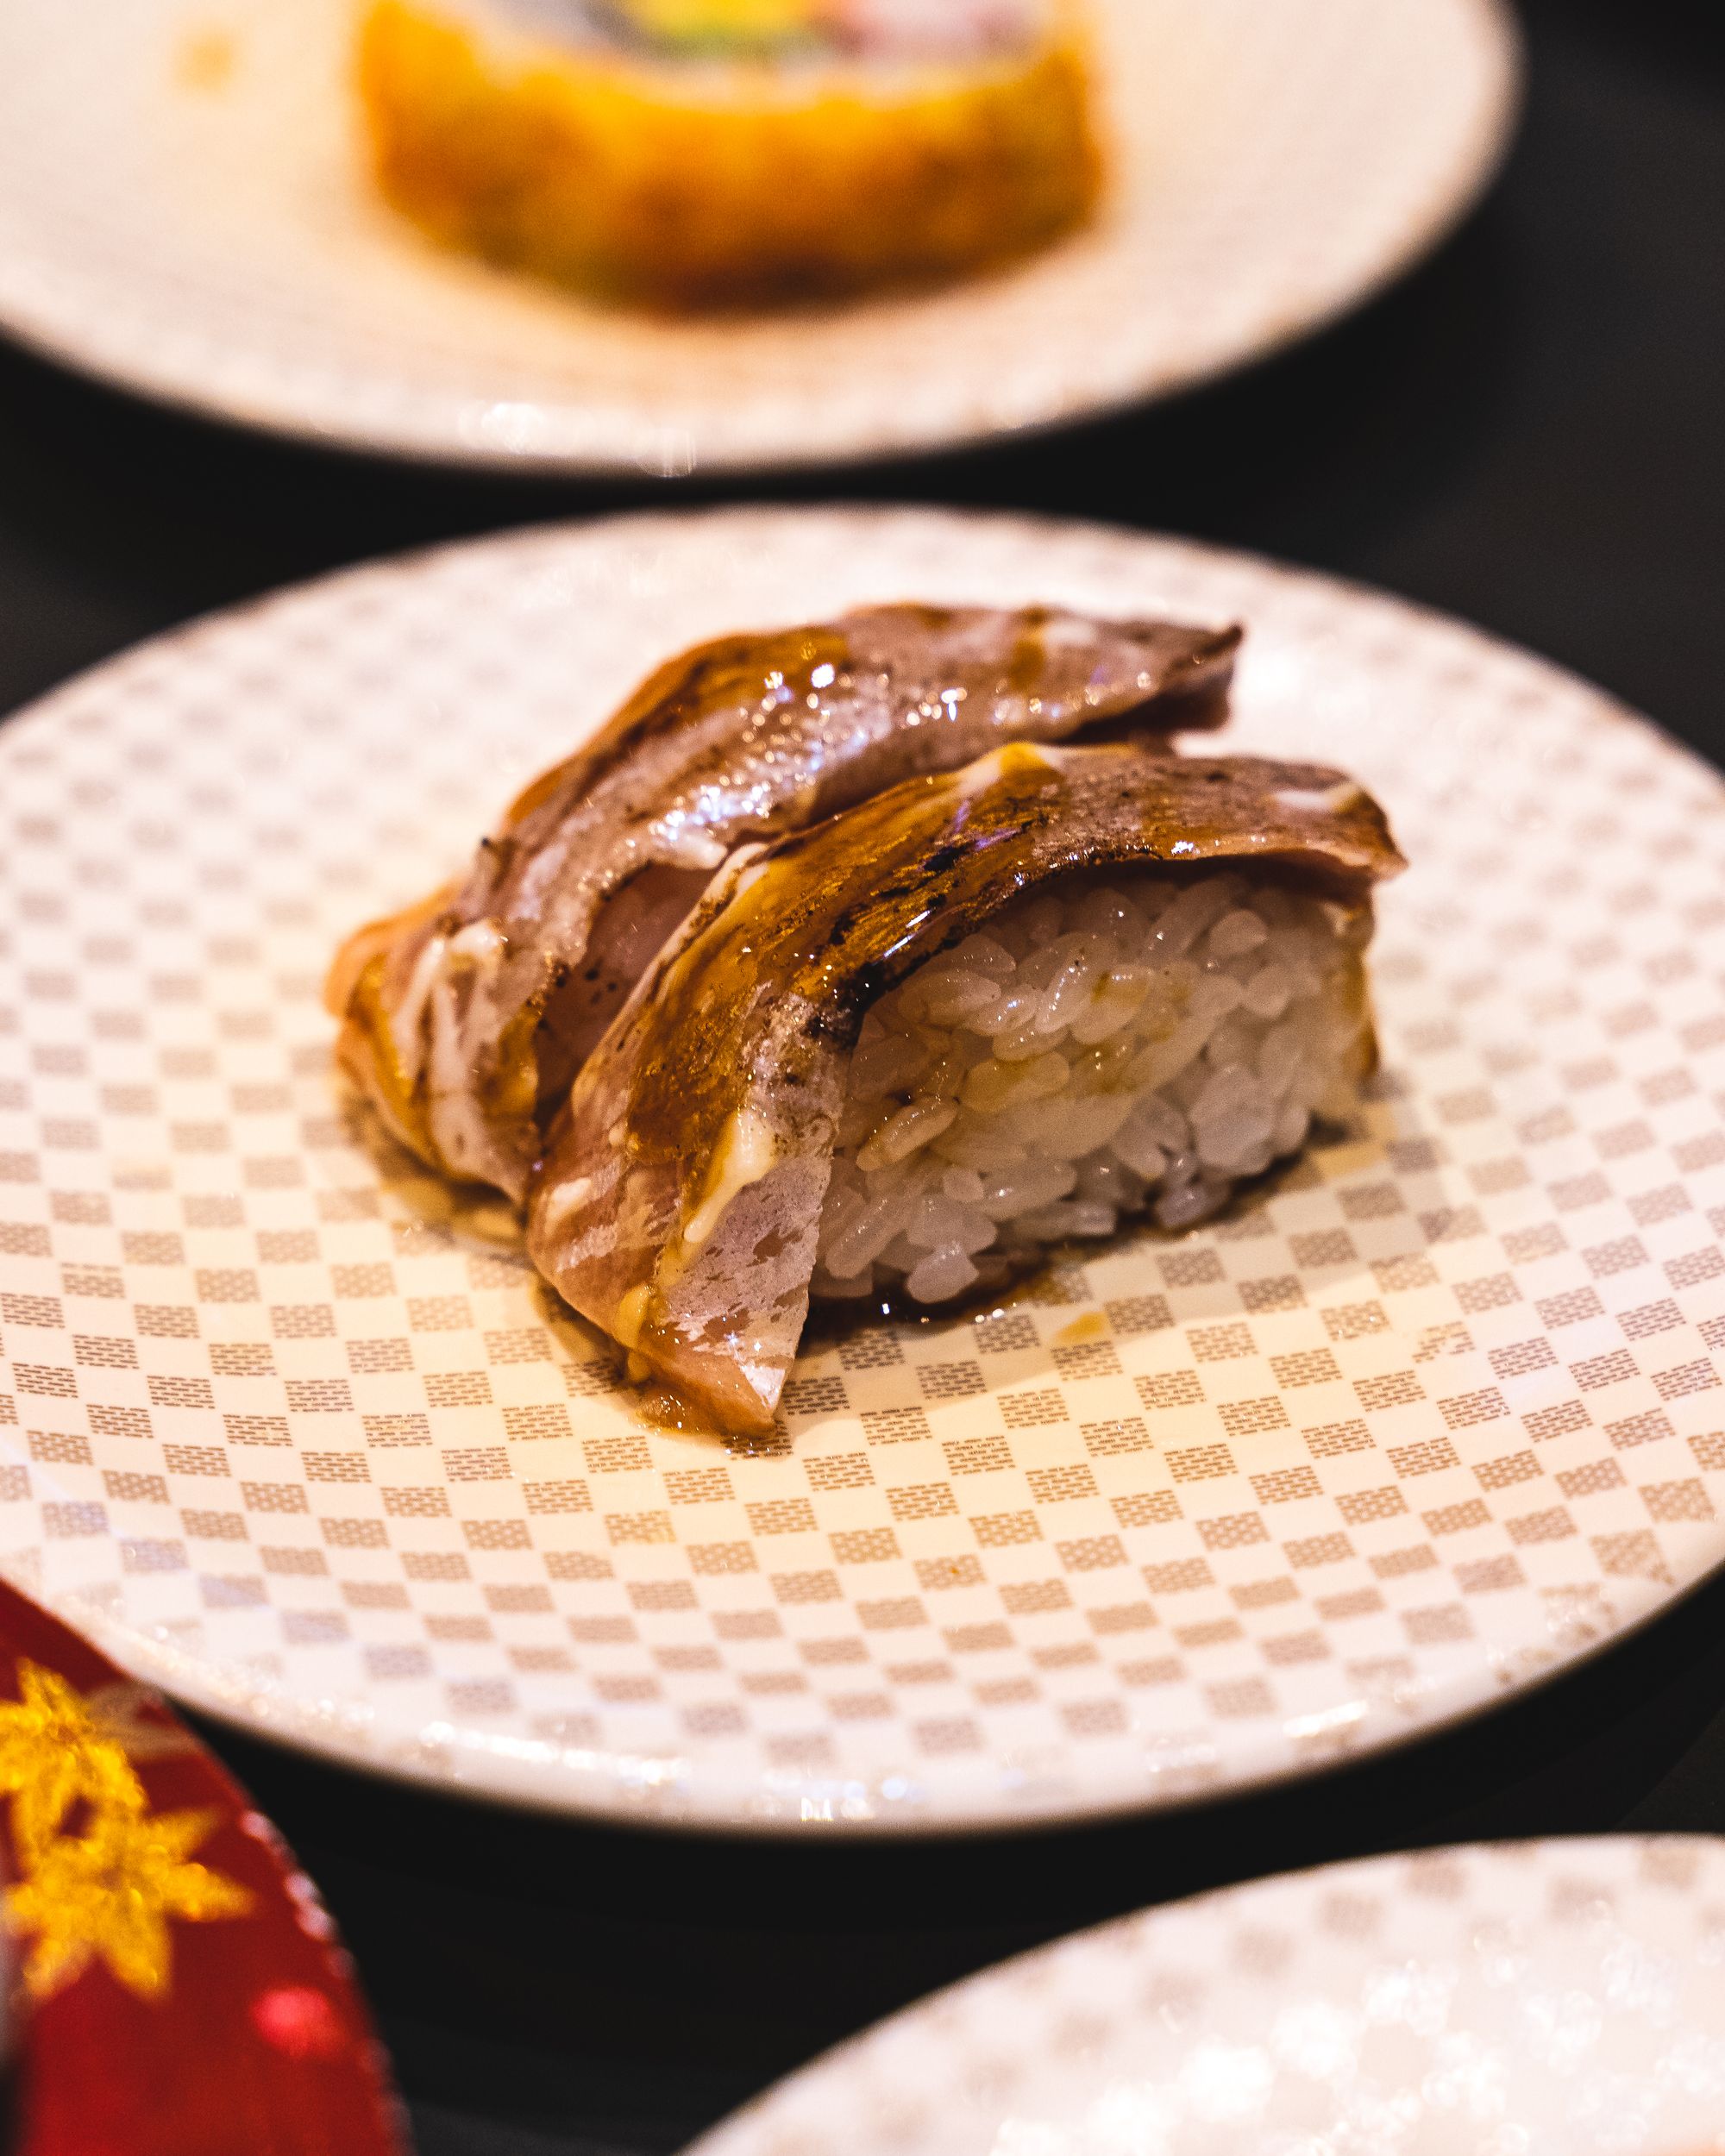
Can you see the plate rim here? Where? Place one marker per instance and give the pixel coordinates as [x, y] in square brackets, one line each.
[1475, 161]
[305, 1730]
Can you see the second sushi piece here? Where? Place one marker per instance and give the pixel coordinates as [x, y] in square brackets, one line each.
[903, 1053]
[702, 153]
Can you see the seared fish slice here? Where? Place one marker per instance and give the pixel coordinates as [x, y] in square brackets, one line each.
[466, 1017]
[680, 1204]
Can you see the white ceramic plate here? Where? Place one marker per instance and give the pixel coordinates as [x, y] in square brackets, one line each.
[218, 245]
[308, 1447]
[1555, 1998]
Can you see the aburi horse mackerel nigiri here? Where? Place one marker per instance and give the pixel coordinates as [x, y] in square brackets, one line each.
[906, 1050]
[466, 1017]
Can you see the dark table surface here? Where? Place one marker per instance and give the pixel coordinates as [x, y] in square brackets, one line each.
[1529, 432]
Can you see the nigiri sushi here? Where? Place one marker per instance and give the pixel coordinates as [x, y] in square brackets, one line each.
[905, 1051]
[465, 1017]
[691, 154]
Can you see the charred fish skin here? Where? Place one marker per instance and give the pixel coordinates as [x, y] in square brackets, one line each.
[466, 1019]
[676, 1204]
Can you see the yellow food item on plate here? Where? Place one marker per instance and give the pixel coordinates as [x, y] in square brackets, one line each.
[694, 154]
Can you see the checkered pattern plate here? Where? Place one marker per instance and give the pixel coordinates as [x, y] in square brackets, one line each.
[293, 1431]
[182, 209]
[1556, 1998]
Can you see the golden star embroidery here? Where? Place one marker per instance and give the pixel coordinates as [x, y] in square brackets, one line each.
[108, 1893]
[53, 1752]
[108, 1890]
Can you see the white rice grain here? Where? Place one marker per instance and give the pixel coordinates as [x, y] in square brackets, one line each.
[1118, 1047]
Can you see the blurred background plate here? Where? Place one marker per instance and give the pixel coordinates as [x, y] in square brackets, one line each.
[182, 211]
[295, 1431]
[1552, 1998]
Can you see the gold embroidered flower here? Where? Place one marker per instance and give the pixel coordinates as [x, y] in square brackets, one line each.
[108, 1893]
[106, 1889]
[54, 1752]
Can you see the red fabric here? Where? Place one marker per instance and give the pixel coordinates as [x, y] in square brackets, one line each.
[260, 2043]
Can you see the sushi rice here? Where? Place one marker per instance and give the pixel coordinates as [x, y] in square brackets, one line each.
[1137, 1046]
